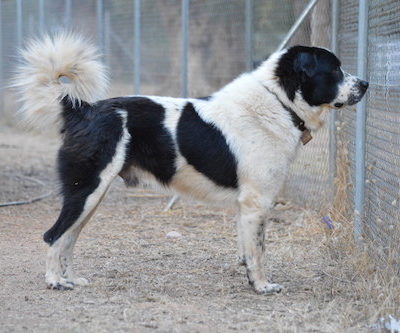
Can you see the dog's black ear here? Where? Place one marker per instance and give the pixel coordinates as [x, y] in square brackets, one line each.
[305, 63]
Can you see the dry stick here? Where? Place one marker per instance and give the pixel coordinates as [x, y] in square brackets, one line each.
[171, 203]
[25, 202]
[29, 201]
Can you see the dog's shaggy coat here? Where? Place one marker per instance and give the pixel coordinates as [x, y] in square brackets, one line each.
[233, 147]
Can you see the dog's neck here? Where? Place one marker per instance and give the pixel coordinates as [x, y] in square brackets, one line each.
[296, 120]
[266, 76]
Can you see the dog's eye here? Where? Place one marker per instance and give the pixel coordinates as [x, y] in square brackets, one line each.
[336, 70]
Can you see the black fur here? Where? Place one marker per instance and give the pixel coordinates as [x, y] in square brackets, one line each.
[314, 71]
[205, 148]
[152, 147]
[91, 134]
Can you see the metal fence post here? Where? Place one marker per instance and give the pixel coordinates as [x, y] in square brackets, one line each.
[137, 60]
[362, 67]
[19, 23]
[185, 48]
[184, 69]
[333, 113]
[249, 34]
[100, 24]
[67, 13]
[1, 70]
[41, 16]
[107, 38]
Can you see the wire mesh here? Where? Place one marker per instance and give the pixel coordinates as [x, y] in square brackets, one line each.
[54, 15]
[119, 45]
[347, 49]
[30, 17]
[217, 44]
[383, 129]
[161, 47]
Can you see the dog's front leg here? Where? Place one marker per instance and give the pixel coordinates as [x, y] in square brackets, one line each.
[253, 215]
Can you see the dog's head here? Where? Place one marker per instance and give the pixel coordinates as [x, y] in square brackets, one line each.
[315, 76]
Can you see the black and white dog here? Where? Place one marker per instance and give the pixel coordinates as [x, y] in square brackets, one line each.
[233, 147]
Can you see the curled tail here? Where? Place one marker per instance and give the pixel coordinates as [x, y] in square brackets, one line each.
[63, 65]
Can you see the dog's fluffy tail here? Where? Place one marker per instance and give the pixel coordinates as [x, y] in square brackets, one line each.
[55, 67]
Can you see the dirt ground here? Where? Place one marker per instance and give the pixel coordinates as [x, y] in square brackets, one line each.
[142, 281]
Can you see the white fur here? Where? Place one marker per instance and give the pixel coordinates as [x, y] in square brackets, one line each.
[252, 120]
[347, 88]
[43, 63]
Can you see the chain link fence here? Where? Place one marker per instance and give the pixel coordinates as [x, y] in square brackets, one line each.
[161, 47]
[382, 131]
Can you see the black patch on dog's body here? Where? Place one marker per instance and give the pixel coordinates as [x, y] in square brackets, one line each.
[314, 71]
[91, 134]
[205, 148]
[151, 147]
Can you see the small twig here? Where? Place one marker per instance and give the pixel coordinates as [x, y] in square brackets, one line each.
[29, 201]
[25, 202]
[171, 203]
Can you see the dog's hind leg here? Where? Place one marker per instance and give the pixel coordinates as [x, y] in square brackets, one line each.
[254, 210]
[59, 273]
[84, 186]
[77, 210]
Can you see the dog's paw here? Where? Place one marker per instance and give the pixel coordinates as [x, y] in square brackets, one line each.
[241, 261]
[267, 288]
[80, 281]
[60, 284]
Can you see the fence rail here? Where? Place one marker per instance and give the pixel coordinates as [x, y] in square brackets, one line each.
[193, 47]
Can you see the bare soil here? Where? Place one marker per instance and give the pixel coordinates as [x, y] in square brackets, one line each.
[142, 281]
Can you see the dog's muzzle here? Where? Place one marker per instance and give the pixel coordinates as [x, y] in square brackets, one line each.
[361, 86]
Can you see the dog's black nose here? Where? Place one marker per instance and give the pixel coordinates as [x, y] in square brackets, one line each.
[364, 84]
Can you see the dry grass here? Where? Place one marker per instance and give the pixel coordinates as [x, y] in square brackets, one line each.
[356, 270]
[349, 277]
[352, 276]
